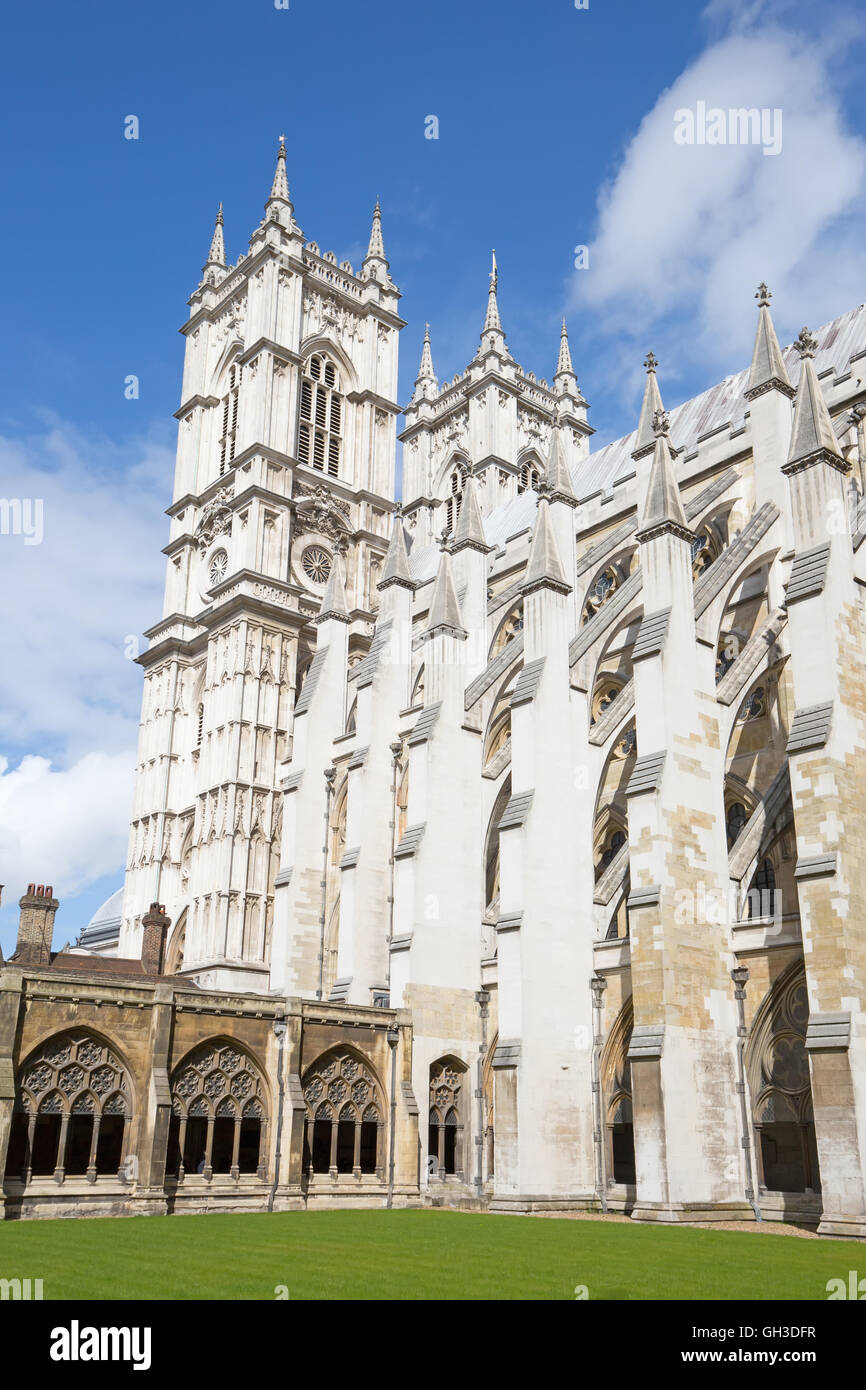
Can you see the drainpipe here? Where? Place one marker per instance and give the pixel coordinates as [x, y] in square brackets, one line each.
[739, 976]
[393, 1037]
[482, 999]
[330, 774]
[396, 753]
[598, 985]
[280, 1034]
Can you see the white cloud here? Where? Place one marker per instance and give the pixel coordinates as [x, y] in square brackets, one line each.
[685, 233]
[67, 685]
[67, 827]
[69, 694]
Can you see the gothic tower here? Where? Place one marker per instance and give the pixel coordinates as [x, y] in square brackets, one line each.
[285, 462]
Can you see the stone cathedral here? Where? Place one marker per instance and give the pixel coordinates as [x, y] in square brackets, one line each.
[503, 847]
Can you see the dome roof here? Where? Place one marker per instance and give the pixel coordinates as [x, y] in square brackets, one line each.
[103, 929]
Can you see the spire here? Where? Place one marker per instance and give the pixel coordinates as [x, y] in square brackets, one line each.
[558, 476]
[444, 605]
[426, 368]
[564, 365]
[492, 322]
[768, 370]
[217, 254]
[426, 385]
[469, 531]
[334, 602]
[663, 507]
[813, 438]
[652, 404]
[396, 569]
[280, 185]
[375, 263]
[544, 566]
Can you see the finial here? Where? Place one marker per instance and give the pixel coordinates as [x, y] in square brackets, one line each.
[219, 216]
[650, 362]
[763, 296]
[494, 273]
[281, 152]
[806, 344]
[661, 423]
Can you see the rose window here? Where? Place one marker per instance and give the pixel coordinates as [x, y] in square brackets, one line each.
[316, 563]
[218, 568]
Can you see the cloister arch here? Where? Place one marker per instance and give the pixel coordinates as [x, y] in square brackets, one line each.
[220, 1104]
[777, 1068]
[345, 1128]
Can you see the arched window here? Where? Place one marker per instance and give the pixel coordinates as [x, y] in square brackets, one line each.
[530, 476]
[72, 1103]
[762, 891]
[604, 586]
[320, 429]
[754, 706]
[445, 1131]
[345, 1117]
[454, 500]
[778, 1071]
[230, 418]
[606, 690]
[508, 630]
[219, 1114]
[706, 546]
[199, 726]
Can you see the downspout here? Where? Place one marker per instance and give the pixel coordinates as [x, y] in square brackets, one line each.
[396, 751]
[482, 998]
[739, 976]
[280, 1032]
[393, 1037]
[598, 985]
[330, 774]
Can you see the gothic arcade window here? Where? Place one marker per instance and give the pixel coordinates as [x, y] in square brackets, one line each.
[345, 1117]
[320, 429]
[219, 1115]
[781, 1091]
[620, 1161]
[762, 891]
[230, 418]
[72, 1103]
[445, 1128]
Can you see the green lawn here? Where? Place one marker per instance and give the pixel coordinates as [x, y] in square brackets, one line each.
[410, 1254]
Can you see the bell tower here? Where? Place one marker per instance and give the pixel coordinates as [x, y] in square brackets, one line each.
[285, 460]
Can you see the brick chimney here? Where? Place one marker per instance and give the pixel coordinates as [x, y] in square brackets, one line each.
[36, 925]
[155, 926]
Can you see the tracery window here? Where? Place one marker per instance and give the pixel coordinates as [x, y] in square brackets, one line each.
[626, 744]
[735, 820]
[72, 1103]
[781, 1092]
[230, 418]
[762, 891]
[321, 416]
[219, 1114]
[345, 1117]
[705, 548]
[445, 1130]
[754, 706]
[606, 691]
[511, 628]
[604, 586]
[316, 563]
[730, 646]
[218, 567]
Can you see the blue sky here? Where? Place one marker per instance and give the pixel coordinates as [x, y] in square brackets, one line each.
[554, 131]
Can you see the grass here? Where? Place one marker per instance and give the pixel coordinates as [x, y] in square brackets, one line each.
[409, 1255]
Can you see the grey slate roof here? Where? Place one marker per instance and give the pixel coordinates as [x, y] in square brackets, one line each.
[517, 810]
[412, 836]
[424, 724]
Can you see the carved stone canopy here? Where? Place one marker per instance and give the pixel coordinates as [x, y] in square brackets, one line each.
[317, 509]
[215, 519]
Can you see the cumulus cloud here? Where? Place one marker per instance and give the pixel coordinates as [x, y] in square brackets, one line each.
[75, 605]
[67, 826]
[77, 602]
[685, 232]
